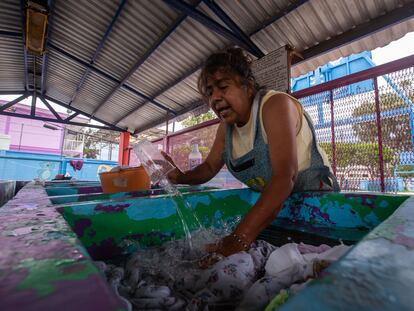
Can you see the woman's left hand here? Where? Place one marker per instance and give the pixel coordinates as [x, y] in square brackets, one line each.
[227, 246]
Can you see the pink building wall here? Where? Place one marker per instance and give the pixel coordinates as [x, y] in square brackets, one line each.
[30, 135]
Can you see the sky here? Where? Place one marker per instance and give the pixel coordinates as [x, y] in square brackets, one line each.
[393, 51]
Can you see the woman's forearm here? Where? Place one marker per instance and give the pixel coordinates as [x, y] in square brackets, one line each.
[266, 208]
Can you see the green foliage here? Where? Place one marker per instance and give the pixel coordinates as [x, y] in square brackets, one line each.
[89, 148]
[406, 170]
[362, 154]
[395, 130]
[190, 121]
[90, 153]
[395, 133]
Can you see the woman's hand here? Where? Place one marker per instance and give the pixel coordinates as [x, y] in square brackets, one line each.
[175, 175]
[209, 260]
[228, 245]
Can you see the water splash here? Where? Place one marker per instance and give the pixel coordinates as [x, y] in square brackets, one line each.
[157, 167]
[188, 218]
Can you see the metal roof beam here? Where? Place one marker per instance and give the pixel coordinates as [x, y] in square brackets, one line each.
[393, 17]
[291, 7]
[232, 25]
[7, 33]
[74, 115]
[15, 101]
[142, 60]
[213, 25]
[108, 76]
[26, 78]
[27, 116]
[111, 126]
[45, 61]
[147, 54]
[33, 107]
[164, 119]
[175, 82]
[13, 92]
[287, 10]
[381, 22]
[51, 108]
[99, 48]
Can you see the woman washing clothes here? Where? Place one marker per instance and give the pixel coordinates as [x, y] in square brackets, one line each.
[265, 139]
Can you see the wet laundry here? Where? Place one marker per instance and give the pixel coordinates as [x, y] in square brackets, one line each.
[243, 281]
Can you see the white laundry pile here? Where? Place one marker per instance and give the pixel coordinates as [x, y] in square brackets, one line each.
[243, 281]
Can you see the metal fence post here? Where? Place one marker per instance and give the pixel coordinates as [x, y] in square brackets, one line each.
[379, 133]
[333, 132]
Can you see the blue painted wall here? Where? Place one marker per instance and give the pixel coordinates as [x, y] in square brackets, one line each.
[15, 165]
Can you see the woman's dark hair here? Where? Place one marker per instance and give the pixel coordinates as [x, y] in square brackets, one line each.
[233, 60]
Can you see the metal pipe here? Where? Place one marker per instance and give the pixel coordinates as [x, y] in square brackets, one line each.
[213, 25]
[21, 135]
[63, 141]
[237, 31]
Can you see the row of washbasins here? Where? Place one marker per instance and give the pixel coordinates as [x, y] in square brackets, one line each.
[150, 216]
[107, 223]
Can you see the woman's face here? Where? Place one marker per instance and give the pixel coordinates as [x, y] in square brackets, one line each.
[228, 98]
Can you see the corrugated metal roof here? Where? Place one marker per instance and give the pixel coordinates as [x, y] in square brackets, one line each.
[148, 64]
[379, 39]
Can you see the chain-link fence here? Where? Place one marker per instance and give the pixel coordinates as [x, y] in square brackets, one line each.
[366, 127]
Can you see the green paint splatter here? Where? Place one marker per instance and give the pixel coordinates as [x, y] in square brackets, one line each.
[43, 273]
[229, 204]
[278, 301]
[119, 226]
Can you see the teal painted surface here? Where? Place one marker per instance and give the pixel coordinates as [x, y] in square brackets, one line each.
[16, 165]
[70, 183]
[73, 198]
[105, 223]
[83, 189]
[377, 274]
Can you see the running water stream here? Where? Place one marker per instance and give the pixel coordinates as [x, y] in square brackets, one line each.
[188, 218]
[158, 168]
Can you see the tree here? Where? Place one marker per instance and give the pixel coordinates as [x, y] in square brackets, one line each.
[395, 130]
[90, 150]
[395, 123]
[359, 154]
[194, 120]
